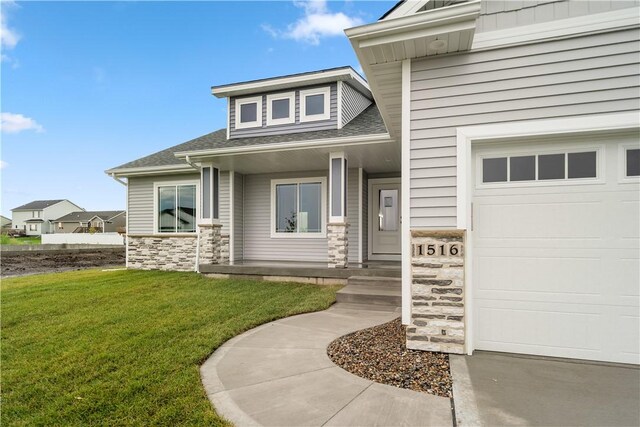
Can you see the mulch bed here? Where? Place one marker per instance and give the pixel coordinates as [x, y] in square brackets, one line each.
[379, 354]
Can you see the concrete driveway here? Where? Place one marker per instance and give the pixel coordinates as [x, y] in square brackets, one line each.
[500, 389]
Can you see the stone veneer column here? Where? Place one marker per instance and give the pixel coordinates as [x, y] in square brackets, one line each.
[338, 244]
[437, 291]
[210, 243]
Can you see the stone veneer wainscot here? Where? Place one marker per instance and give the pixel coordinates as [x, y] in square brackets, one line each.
[338, 244]
[177, 252]
[437, 291]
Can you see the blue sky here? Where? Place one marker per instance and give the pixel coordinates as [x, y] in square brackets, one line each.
[87, 86]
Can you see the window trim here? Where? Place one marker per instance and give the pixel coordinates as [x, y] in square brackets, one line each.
[326, 91]
[33, 227]
[251, 100]
[156, 186]
[565, 149]
[291, 96]
[622, 163]
[323, 208]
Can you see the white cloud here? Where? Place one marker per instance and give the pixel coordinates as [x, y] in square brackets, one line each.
[3, 164]
[317, 22]
[14, 123]
[9, 37]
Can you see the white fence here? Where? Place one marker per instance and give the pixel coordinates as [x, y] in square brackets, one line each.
[83, 238]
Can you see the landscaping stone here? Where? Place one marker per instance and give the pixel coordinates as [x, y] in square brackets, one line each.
[380, 354]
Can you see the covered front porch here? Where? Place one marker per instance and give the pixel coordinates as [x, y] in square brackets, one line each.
[320, 210]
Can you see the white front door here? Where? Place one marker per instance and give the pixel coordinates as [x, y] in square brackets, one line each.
[556, 237]
[384, 219]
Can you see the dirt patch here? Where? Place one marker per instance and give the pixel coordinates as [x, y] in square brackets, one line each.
[29, 262]
[379, 354]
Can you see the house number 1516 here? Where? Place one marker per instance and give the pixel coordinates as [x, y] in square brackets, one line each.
[437, 250]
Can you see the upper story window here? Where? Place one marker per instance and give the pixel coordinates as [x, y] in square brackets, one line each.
[315, 104]
[36, 214]
[281, 108]
[249, 112]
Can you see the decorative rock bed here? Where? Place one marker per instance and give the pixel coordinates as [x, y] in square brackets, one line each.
[380, 354]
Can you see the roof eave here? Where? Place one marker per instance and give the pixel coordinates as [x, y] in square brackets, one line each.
[149, 170]
[284, 146]
[287, 82]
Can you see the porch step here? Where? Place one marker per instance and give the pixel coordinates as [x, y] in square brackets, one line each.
[386, 282]
[380, 291]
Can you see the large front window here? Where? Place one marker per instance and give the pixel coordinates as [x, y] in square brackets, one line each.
[298, 207]
[176, 210]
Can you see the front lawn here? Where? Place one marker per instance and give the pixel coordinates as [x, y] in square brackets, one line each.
[26, 240]
[124, 347]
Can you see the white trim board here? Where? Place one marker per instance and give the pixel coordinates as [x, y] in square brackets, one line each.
[405, 218]
[599, 22]
[512, 132]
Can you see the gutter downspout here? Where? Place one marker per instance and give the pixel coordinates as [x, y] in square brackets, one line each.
[196, 266]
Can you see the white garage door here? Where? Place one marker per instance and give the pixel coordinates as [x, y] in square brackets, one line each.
[556, 232]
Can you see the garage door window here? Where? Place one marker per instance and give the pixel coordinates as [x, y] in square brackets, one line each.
[633, 162]
[543, 167]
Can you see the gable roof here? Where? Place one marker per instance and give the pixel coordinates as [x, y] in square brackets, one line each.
[369, 122]
[38, 204]
[85, 216]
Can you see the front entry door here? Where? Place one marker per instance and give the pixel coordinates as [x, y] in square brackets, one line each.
[385, 219]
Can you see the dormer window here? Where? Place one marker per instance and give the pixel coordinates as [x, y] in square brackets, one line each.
[280, 108]
[249, 112]
[314, 104]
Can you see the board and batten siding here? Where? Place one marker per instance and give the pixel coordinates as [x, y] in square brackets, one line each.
[365, 216]
[296, 127]
[224, 202]
[141, 211]
[503, 14]
[580, 76]
[238, 214]
[353, 103]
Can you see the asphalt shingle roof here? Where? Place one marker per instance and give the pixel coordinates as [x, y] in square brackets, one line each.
[38, 204]
[87, 215]
[369, 122]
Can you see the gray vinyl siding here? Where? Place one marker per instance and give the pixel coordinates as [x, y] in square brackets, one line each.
[503, 14]
[353, 103]
[140, 204]
[238, 214]
[257, 223]
[224, 201]
[332, 123]
[573, 77]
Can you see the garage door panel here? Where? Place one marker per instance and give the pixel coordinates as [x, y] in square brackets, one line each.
[504, 276]
[547, 328]
[556, 268]
[512, 220]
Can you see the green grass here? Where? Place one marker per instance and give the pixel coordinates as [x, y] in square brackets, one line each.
[28, 240]
[124, 347]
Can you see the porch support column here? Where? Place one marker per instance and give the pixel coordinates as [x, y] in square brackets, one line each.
[338, 227]
[209, 227]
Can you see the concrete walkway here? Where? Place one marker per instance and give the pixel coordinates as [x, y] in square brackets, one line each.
[279, 374]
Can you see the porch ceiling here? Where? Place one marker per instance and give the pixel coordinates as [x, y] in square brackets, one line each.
[377, 157]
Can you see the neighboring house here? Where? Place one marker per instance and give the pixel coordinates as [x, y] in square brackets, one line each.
[500, 164]
[5, 223]
[35, 217]
[91, 222]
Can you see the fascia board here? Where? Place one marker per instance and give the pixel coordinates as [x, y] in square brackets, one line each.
[318, 143]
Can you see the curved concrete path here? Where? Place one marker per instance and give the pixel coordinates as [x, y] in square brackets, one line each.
[279, 374]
